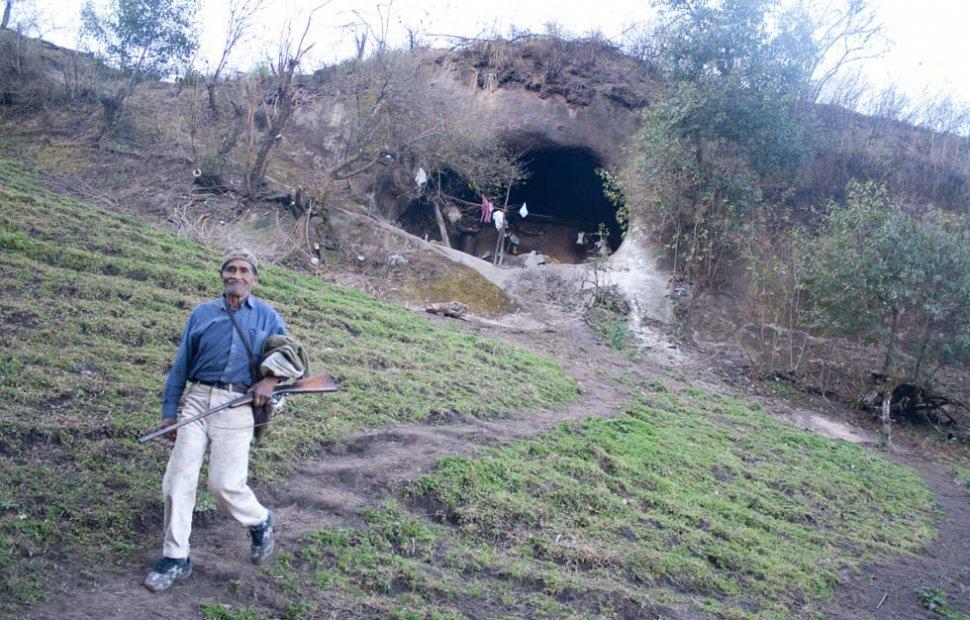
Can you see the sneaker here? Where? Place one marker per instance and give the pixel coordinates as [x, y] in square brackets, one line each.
[166, 571]
[263, 540]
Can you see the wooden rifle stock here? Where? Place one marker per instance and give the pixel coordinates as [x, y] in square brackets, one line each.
[310, 385]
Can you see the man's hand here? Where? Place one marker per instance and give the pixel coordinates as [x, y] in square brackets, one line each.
[263, 390]
[172, 433]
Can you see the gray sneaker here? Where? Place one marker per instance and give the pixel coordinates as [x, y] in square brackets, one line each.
[166, 571]
[263, 540]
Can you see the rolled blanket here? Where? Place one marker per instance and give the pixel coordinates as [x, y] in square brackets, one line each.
[283, 357]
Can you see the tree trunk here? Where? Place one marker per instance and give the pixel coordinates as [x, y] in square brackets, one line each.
[887, 431]
[114, 106]
[211, 87]
[232, 136]
[887, 363]
[498, 242]
[259, 166]
[6, 14]
[441, 223]
[924, 345]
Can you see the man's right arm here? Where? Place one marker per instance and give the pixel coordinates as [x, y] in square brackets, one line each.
[178, 375]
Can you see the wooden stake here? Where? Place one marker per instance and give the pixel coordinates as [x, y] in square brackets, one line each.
[441, 223]
[500, 247]
[887, 431]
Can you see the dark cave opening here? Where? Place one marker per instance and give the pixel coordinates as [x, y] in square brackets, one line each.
[567, 206]
[569, 216]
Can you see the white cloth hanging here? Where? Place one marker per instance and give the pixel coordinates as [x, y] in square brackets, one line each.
[421, 178]
[499, 218]
[524, 211]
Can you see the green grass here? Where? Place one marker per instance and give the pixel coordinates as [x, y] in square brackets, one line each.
[935, 600]
[92, 307]
[963, 477]
[612, 324]
[689, 499]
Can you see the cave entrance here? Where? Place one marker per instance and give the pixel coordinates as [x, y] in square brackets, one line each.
[568, 209]
[569, 216]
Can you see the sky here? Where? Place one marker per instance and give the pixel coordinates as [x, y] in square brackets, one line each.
[928, 44]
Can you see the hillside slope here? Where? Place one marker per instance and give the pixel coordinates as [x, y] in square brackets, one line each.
[690, 504]
[93, 305]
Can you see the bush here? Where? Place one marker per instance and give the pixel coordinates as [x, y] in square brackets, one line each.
[889, 276]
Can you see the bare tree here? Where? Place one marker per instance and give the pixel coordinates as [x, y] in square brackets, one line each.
[893, 103]
[6, 13]
[29, 20]
[238, 21]
[360, 43]
[844, 32]
[846, 89]
[284, 99]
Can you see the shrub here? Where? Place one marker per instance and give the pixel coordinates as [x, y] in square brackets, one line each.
[889, 276]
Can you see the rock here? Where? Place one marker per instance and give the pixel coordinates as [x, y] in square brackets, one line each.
[453, 309]
[533, 259]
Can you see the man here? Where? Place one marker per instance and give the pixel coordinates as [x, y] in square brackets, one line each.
[216, 354]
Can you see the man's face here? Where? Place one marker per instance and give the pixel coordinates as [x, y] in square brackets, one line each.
[238, 277]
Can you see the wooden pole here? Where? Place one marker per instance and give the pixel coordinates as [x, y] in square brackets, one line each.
[500, 252]
[498, 241]
[437, 213]
[441, 222]
[887, 432]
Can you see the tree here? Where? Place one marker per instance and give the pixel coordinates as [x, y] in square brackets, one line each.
[6, 14]
[238, 21]
[283, 99]
[726, 129]
[141, 38]
[843, 32]
[888, 276]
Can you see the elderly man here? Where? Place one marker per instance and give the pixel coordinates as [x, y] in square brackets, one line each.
[217, 356]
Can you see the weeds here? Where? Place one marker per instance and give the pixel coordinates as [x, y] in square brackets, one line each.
[963, 477]
[608, 314]
[934, 599]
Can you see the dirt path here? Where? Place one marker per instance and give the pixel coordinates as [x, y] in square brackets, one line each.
[365, 468]
[888, 590]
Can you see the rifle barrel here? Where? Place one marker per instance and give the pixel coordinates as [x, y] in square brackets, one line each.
[315, 384]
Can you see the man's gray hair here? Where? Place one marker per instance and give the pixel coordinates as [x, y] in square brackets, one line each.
[241, 253]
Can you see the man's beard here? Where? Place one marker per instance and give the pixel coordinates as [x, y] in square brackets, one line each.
[236, 289]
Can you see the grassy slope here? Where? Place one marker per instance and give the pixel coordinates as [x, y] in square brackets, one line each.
[92, 307]
[689, 499]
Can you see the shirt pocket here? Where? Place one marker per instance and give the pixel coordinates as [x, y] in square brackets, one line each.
[256, 339]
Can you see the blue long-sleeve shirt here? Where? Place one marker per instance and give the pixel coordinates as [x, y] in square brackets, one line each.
[211, 349]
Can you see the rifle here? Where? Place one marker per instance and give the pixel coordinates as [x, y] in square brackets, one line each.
[309, 385]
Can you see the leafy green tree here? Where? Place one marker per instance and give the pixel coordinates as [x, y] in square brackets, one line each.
[888, 276]
[726, 129]
[141, 38]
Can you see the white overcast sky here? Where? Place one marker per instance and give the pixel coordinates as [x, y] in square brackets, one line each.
[929, 40]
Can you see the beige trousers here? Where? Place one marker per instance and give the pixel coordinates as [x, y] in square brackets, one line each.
[227, 435]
